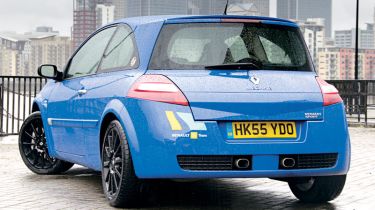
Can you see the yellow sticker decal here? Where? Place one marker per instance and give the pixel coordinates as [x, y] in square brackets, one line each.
[193, 135]
[173, 122]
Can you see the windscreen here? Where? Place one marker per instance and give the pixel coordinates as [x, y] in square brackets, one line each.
[199, 45]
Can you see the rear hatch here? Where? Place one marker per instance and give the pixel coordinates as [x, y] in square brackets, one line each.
[240, 70]
[232, 96]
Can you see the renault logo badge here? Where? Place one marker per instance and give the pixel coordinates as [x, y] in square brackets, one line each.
[255, 80]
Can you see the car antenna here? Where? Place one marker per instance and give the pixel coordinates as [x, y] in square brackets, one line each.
[226, 8]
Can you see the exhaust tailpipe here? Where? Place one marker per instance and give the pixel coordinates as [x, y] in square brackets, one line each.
[242, 163]
[288, 162]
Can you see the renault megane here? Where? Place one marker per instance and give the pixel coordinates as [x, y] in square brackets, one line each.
[191, 97]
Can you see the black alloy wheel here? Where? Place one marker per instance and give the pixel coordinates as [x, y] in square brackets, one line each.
[120, 184]
[112, 162]
[34, 150]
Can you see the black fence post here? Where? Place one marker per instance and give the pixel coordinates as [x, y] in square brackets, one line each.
[16, 93]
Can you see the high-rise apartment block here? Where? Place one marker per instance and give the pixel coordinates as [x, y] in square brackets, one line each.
[338, 63]
[14, 53]
[314, 33]
[22, 54]
[48, 49]
[104, 14]
[346, 38]
[303, 9]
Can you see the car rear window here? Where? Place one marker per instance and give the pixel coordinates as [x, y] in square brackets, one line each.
[198, 45]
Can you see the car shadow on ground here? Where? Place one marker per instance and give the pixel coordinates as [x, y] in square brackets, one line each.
[200, 194]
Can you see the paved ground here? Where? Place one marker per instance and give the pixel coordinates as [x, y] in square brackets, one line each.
[80, 188]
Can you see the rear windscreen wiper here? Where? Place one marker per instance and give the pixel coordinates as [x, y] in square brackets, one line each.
[237, 66]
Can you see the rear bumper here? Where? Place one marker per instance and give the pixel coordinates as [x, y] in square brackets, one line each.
[158, 145]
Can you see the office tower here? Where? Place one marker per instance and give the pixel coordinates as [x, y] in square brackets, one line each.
[304, 9]
[84, 17]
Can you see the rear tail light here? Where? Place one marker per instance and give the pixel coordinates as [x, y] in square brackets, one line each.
[157, 88]
[330, 93]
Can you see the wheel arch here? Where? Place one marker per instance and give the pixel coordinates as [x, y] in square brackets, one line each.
[35, 107]
[108, 118]
[116, 110]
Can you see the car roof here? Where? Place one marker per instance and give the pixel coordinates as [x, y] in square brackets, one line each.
[142, 20]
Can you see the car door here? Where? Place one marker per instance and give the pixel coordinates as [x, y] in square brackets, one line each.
[65, 107]
[117, 70]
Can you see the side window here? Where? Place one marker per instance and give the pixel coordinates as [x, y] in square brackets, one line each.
[121, 51]
[87, 59]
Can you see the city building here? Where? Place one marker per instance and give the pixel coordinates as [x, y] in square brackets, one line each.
[314, 34]
[374, 25]
[104, 14]
[14, 53]
[262, 5]
[8, 62]
[244, 9]
[120, 8]
[91, 14]
[45, 29]
[198, 7]
[346, 38]
[192, 7]
[22, 54]
[84, 20]
[249, 7]
[338, 63]
[48, 49]
[303, 9]
[156, 7]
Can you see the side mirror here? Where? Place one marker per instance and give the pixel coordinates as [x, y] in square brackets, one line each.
[50, 72]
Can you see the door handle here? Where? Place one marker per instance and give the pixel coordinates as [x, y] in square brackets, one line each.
[82, 92]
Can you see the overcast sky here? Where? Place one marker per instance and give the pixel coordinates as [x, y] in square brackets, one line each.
[25, 15]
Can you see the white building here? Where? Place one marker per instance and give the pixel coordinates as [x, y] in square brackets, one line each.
[314, 33]
[346, 38]
[104, 14]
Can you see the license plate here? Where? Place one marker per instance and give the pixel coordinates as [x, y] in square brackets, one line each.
[260, 130]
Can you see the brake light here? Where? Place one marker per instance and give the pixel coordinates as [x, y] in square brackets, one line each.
[157, 88]
[330, 93]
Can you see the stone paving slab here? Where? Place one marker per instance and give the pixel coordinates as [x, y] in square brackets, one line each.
[80, 188]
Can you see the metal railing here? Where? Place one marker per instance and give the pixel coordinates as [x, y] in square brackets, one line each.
[359, 99]
[18, 92]
[16, 96]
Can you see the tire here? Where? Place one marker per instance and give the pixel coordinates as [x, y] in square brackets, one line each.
[33, 148]
[120, 184]
[317, 189]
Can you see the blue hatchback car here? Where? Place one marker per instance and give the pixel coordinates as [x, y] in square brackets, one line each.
[191, 97]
